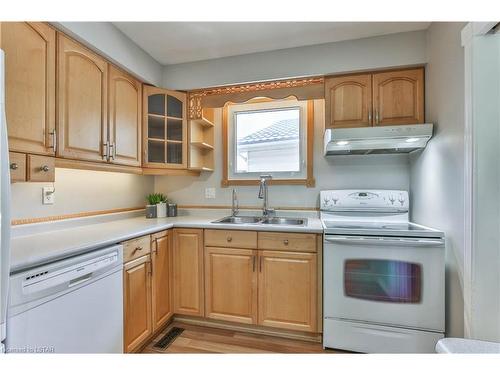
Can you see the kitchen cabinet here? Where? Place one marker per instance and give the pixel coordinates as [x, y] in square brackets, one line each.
[82, 102]
[231, 284]
[393, 97]
[288, 290]
[161, 256]
[348, 101]
[30, 84]
[124, 113]
[164, 128]
[188, 272]
[398, 97]
[17, 165]
[137, 302]
[41, 169]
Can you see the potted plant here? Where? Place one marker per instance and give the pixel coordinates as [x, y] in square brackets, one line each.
[151, 208]
[161, 206]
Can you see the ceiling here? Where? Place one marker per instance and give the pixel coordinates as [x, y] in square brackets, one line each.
[180, 42]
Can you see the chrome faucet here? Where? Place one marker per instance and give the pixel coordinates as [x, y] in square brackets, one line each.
[235, 209]
[263, 194]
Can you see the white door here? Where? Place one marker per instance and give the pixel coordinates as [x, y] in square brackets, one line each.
[393, 281]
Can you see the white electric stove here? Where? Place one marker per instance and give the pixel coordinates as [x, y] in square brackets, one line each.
[383, 275]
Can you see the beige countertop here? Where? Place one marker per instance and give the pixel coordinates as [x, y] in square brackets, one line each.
[57, 242]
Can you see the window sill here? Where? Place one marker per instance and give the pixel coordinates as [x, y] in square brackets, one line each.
[308, 182]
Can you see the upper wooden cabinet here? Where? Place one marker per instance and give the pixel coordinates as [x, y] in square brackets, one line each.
[386, 98]
[348, 101]
[188, 272]
[398, 97]
[164, 128]
[82, 102]
[124, 112]
[30, 55]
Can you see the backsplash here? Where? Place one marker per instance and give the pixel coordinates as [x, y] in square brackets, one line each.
[81, 191]
[341, 172]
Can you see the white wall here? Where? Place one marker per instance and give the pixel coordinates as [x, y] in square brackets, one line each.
[484, 310]
[368, 53]
[437, 173]
[106, 39]
[342, 172]
[81, 191]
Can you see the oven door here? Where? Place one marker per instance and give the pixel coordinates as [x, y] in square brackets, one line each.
[385, 280]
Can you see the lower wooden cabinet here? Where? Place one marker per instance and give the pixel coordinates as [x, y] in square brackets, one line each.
[288, 290]
[231, 284]
[188, 272]
[161, 257]
[137, 302]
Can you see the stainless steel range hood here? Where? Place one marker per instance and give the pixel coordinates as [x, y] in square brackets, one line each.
[377, 139]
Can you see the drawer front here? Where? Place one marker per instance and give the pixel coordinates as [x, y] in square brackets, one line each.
[305, 242]
[41, 168]
[136, 248]
[17, 167]
[231, 238]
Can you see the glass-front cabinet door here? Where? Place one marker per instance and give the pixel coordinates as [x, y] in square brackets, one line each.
[165, 128]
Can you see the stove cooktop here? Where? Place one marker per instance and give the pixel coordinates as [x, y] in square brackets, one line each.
[379, 229]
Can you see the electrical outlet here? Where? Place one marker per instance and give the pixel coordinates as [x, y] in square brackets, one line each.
[48, 195]
[210, 193]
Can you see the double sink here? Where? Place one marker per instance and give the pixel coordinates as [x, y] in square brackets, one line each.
[260, 220]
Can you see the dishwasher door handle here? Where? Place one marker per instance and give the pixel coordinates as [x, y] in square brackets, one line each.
[381, 241]
[80, 280]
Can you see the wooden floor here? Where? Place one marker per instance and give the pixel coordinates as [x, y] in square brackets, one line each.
[197, 339]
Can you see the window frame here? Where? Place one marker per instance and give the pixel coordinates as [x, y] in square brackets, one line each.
[229, 180]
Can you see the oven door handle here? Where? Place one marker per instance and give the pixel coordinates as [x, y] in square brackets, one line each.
[381, 241]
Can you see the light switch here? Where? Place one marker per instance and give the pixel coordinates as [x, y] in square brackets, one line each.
[210, 193]
[48, 195]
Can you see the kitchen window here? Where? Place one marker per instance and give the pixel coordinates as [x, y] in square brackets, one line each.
[266, 136]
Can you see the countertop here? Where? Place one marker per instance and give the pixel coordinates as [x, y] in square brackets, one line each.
[32, 250]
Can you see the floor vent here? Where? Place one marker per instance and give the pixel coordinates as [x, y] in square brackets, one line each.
[169, 338]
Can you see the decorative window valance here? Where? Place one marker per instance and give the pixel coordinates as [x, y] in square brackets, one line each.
[217, 97]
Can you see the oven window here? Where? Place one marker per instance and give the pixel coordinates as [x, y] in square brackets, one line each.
[383, 280]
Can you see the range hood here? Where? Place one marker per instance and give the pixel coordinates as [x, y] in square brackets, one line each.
[377, 139]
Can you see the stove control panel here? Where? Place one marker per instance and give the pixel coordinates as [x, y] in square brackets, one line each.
[364, 200]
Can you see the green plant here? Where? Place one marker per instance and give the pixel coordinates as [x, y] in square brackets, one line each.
[155, 198]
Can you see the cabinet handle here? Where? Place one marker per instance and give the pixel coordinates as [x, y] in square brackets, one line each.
[105, 154]
[54, 140]
[150, 268]
[260, 264]
[376, 117]
[229, 238]
[138, 248]
[112, 151]
[45, 168]
[285, 242]
[370, 117]
[14, 166]
[253, 263]
[155, 246]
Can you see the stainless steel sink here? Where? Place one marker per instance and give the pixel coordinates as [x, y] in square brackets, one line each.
[239, 220]
[259, 220]
[284, 221]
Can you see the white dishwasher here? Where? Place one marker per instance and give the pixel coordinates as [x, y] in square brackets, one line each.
[70, 306]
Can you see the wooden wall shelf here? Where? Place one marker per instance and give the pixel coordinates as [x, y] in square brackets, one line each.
[202, 142]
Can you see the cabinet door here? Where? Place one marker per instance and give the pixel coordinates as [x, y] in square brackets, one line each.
[30, 58]
[124, 118]
[231, 284]
[161, 282]
[82, 102]
[137, 302]
[348, 101]
[288, 290]
[398, 97]
[165, 128]
[188, 272]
